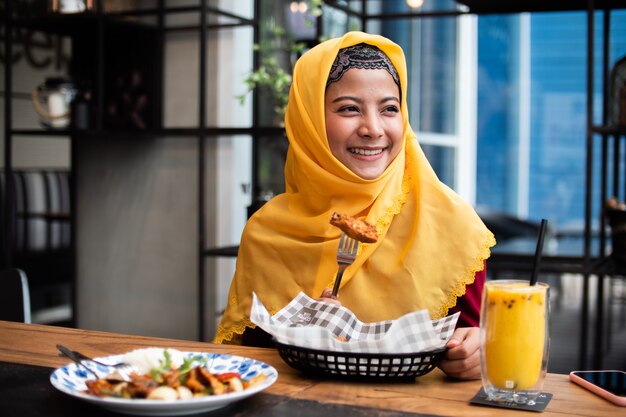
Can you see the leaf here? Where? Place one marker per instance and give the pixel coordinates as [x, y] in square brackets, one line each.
[279, 31]
[167, 363]
[271, 77]
[186, 366]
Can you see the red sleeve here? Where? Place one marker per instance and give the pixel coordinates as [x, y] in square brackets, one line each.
[469, 304]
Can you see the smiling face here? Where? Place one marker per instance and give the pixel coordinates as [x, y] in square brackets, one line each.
[363, 121]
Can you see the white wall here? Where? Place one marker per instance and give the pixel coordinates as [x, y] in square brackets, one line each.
[234, 154]
[28, 152]
[137, 197]
[138, 207]
[136, 236]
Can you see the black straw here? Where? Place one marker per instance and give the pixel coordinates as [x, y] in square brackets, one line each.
[538, 251]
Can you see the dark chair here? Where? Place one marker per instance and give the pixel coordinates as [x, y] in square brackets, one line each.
[14, 296]
[505, 226]
[41, 238]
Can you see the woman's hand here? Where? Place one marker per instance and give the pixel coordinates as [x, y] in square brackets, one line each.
[327, 296]
[462, 360]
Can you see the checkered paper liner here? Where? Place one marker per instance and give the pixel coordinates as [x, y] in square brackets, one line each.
[320, 325]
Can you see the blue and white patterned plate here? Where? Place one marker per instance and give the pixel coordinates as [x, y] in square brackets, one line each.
[71, 378]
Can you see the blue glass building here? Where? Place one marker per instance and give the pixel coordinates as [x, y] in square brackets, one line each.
[551, 131]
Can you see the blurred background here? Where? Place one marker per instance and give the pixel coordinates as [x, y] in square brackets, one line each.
[140, 135]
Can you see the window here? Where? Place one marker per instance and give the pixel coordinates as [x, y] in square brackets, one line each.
[531, 121]
[440, 55]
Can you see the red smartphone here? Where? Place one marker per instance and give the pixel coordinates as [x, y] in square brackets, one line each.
[610, 385]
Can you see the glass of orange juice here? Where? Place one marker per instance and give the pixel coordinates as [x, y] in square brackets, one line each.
[514, 340]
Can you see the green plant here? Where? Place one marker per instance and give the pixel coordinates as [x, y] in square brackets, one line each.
[271, 77]
[277, 52]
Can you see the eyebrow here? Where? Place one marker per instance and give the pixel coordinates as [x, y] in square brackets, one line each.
[360, 101]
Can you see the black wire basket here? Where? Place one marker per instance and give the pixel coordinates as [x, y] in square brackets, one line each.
[361, 366]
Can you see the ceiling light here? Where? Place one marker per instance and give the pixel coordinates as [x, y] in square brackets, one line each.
[415, 3]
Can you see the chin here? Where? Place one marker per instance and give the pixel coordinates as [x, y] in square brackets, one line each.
[369, 174]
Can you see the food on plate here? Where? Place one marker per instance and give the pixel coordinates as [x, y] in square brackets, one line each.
[146, 359]
[165, 374]
[355, 228]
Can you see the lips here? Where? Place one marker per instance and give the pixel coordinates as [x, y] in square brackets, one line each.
[366, 152]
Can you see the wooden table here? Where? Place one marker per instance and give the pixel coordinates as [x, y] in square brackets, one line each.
[432, 394]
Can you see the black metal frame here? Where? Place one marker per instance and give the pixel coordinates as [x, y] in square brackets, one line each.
[604, 267]
[202, 132]
[586, 265]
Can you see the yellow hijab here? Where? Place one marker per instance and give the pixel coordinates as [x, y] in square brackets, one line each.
[431, 242]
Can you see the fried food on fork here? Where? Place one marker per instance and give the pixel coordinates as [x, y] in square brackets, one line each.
[355, 228]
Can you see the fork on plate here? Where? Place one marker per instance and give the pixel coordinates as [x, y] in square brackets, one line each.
[122, 369]
[346, 254]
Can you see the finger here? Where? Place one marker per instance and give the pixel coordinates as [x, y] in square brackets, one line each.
[452, 343]
[465, 374]
[462, 369]
[460, 352]
[328, 300]
[327, 297]
[469, 361]
[328, 293]
[464, 343]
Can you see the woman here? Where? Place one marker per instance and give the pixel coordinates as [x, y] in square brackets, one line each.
[353, 151]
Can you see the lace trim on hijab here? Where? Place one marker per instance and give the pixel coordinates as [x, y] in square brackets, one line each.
[233, 334]
[396, 206]
[468, 277]
[362, 56]
[398, 202]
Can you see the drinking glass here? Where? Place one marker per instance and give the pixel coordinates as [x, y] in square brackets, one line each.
[514, 340]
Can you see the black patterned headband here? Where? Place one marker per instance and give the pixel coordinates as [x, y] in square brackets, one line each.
[362, 56]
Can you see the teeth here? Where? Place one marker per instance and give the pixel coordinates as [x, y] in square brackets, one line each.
[366, 152]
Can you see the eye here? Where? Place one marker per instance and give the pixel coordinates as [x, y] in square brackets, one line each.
[349, 109]
[391, 109]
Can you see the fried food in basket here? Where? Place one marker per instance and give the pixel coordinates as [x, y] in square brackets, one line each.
[355, 228]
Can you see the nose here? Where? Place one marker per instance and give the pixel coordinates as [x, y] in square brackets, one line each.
[371, 127]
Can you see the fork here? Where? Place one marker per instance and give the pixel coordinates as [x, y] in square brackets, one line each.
[123, 369]
[346, 254]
